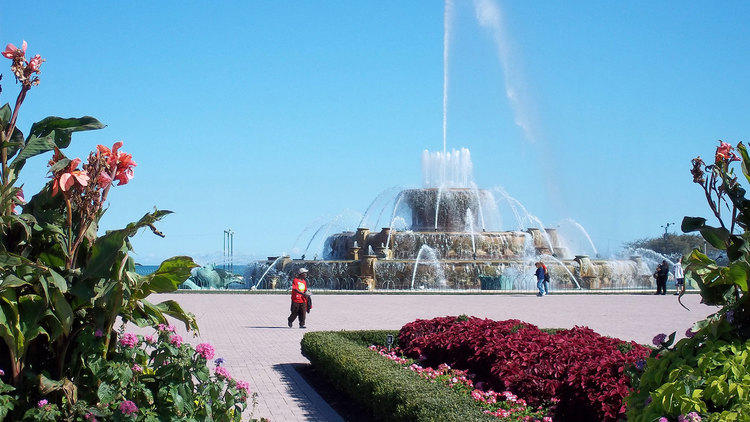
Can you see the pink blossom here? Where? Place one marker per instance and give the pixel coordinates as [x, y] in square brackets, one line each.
[2, 373]
[222, 372]
[175, 340]
[244, 386]
[128, 340]
[12, 52]
[69, 177]
[205, 350]
[127, 407]
[35, 63]
[149, 339]
[663, 419]
[42, 403]
[163, 327]
[136, 368]
[98, 333]
[103, 180]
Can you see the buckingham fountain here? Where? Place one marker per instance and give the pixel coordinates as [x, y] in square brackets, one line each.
[445, 235]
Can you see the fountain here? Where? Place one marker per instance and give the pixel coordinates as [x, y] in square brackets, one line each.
[433, 240]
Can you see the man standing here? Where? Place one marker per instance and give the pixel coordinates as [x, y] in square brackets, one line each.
[539, 279]
[679, 277]
[546, 278]
[662, 274]
[299, 298]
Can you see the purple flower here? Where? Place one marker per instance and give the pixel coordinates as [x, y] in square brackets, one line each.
[205, 350]
[640, 364]
[219, 361]
[136, 368]
[98, 333]
[162, 327]
[730, 316]
[689, 333]
[663, 419]
[690, 417]
[149, 339]
[648, 401]
[659, 339]
[2, 373]
[42, 403]
[128, 340]
[128, 407]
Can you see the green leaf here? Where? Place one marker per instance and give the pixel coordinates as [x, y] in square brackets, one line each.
[716, 236]
[745, 160]
[737, 274]
[52, 132]
[691, 224]
[104, 253]
[5, 114]
[170, 274]
[173, 309]
[10, 281]
[63, 311]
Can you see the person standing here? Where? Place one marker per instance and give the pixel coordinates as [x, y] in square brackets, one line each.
[539, 279]
[299, 298]
[662, 273]
[679, 277]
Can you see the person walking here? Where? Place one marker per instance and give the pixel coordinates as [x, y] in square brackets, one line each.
[546, 278]
[662, 273]
[679, 277]
[539, 279]
[299, 299]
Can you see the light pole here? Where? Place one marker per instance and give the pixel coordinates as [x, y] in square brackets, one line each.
[666, 227]
[228, 249]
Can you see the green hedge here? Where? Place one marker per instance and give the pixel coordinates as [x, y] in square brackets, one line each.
[384, 387]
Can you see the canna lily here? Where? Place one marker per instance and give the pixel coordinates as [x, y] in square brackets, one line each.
[725, 152]
[70, 177]
[35, 63]
[123, 161]
[12, 52]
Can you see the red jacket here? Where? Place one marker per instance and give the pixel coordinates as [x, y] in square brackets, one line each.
[299, 288]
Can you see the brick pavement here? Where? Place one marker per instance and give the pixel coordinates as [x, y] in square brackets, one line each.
[250, 331]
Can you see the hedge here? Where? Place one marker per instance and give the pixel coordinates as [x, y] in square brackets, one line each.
[380, 385]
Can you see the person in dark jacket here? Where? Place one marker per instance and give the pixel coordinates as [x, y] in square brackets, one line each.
[300, 305]
[662, 274]
[540, 279]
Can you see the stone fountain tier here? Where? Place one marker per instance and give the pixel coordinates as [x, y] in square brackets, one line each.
[392, 244]
[451, 204]
[369, 272]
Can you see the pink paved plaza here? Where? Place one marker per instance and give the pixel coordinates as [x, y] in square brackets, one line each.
[250, 332]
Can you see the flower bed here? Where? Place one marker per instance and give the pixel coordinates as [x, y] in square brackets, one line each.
[585, 371]
[383, 387]
[505, 405]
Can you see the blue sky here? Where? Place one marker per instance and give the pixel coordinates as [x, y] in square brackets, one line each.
[265, 116]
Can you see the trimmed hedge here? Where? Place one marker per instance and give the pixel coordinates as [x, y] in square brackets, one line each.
[383, 386]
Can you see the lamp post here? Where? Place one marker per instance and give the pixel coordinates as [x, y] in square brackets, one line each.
[666, 227]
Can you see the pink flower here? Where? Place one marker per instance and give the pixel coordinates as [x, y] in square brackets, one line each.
[121, 162]
[149, 339]
[103, 180]
[244, 386]
[136, 368]
[162, 327]
[19, 196]
[2, 373]
[222, 372]
[175, 340]
[35, 63]
[128, 340]
[98, 333]
[724, 152]
[663, 419]
[70, 177]
[128, 407]
[42, 403]
[12, 52]
[205, 350]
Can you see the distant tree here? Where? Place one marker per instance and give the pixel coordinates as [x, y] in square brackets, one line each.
[674, 245]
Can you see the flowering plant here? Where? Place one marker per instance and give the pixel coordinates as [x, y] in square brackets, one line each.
[581, 370]
[60, 278]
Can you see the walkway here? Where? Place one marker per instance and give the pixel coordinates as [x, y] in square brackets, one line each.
[250, 331]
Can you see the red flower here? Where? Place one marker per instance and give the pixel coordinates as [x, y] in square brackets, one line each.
[35, 63]
[68, 178]
[122, 161]
[725, 152]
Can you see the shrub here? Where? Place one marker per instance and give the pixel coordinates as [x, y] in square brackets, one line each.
[582, 369]
[706, 374]
[382, 386]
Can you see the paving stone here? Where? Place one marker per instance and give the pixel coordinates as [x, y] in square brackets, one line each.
[250, 331]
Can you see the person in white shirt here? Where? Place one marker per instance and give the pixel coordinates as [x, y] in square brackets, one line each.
[679, 277]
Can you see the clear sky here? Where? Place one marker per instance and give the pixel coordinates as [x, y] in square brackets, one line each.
[268, 116]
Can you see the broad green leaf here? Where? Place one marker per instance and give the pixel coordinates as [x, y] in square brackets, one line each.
[173, 309]
[691, 224]
[5, 114]
[170, 274]
[58, 281]
[10, 281]
[52, 132]
[737, 274]
[745, 160]
[63, 311]
[716, 236]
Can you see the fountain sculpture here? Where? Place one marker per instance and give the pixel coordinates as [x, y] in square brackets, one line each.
[446, 241]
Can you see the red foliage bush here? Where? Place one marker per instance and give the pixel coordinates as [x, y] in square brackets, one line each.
[584, 370]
